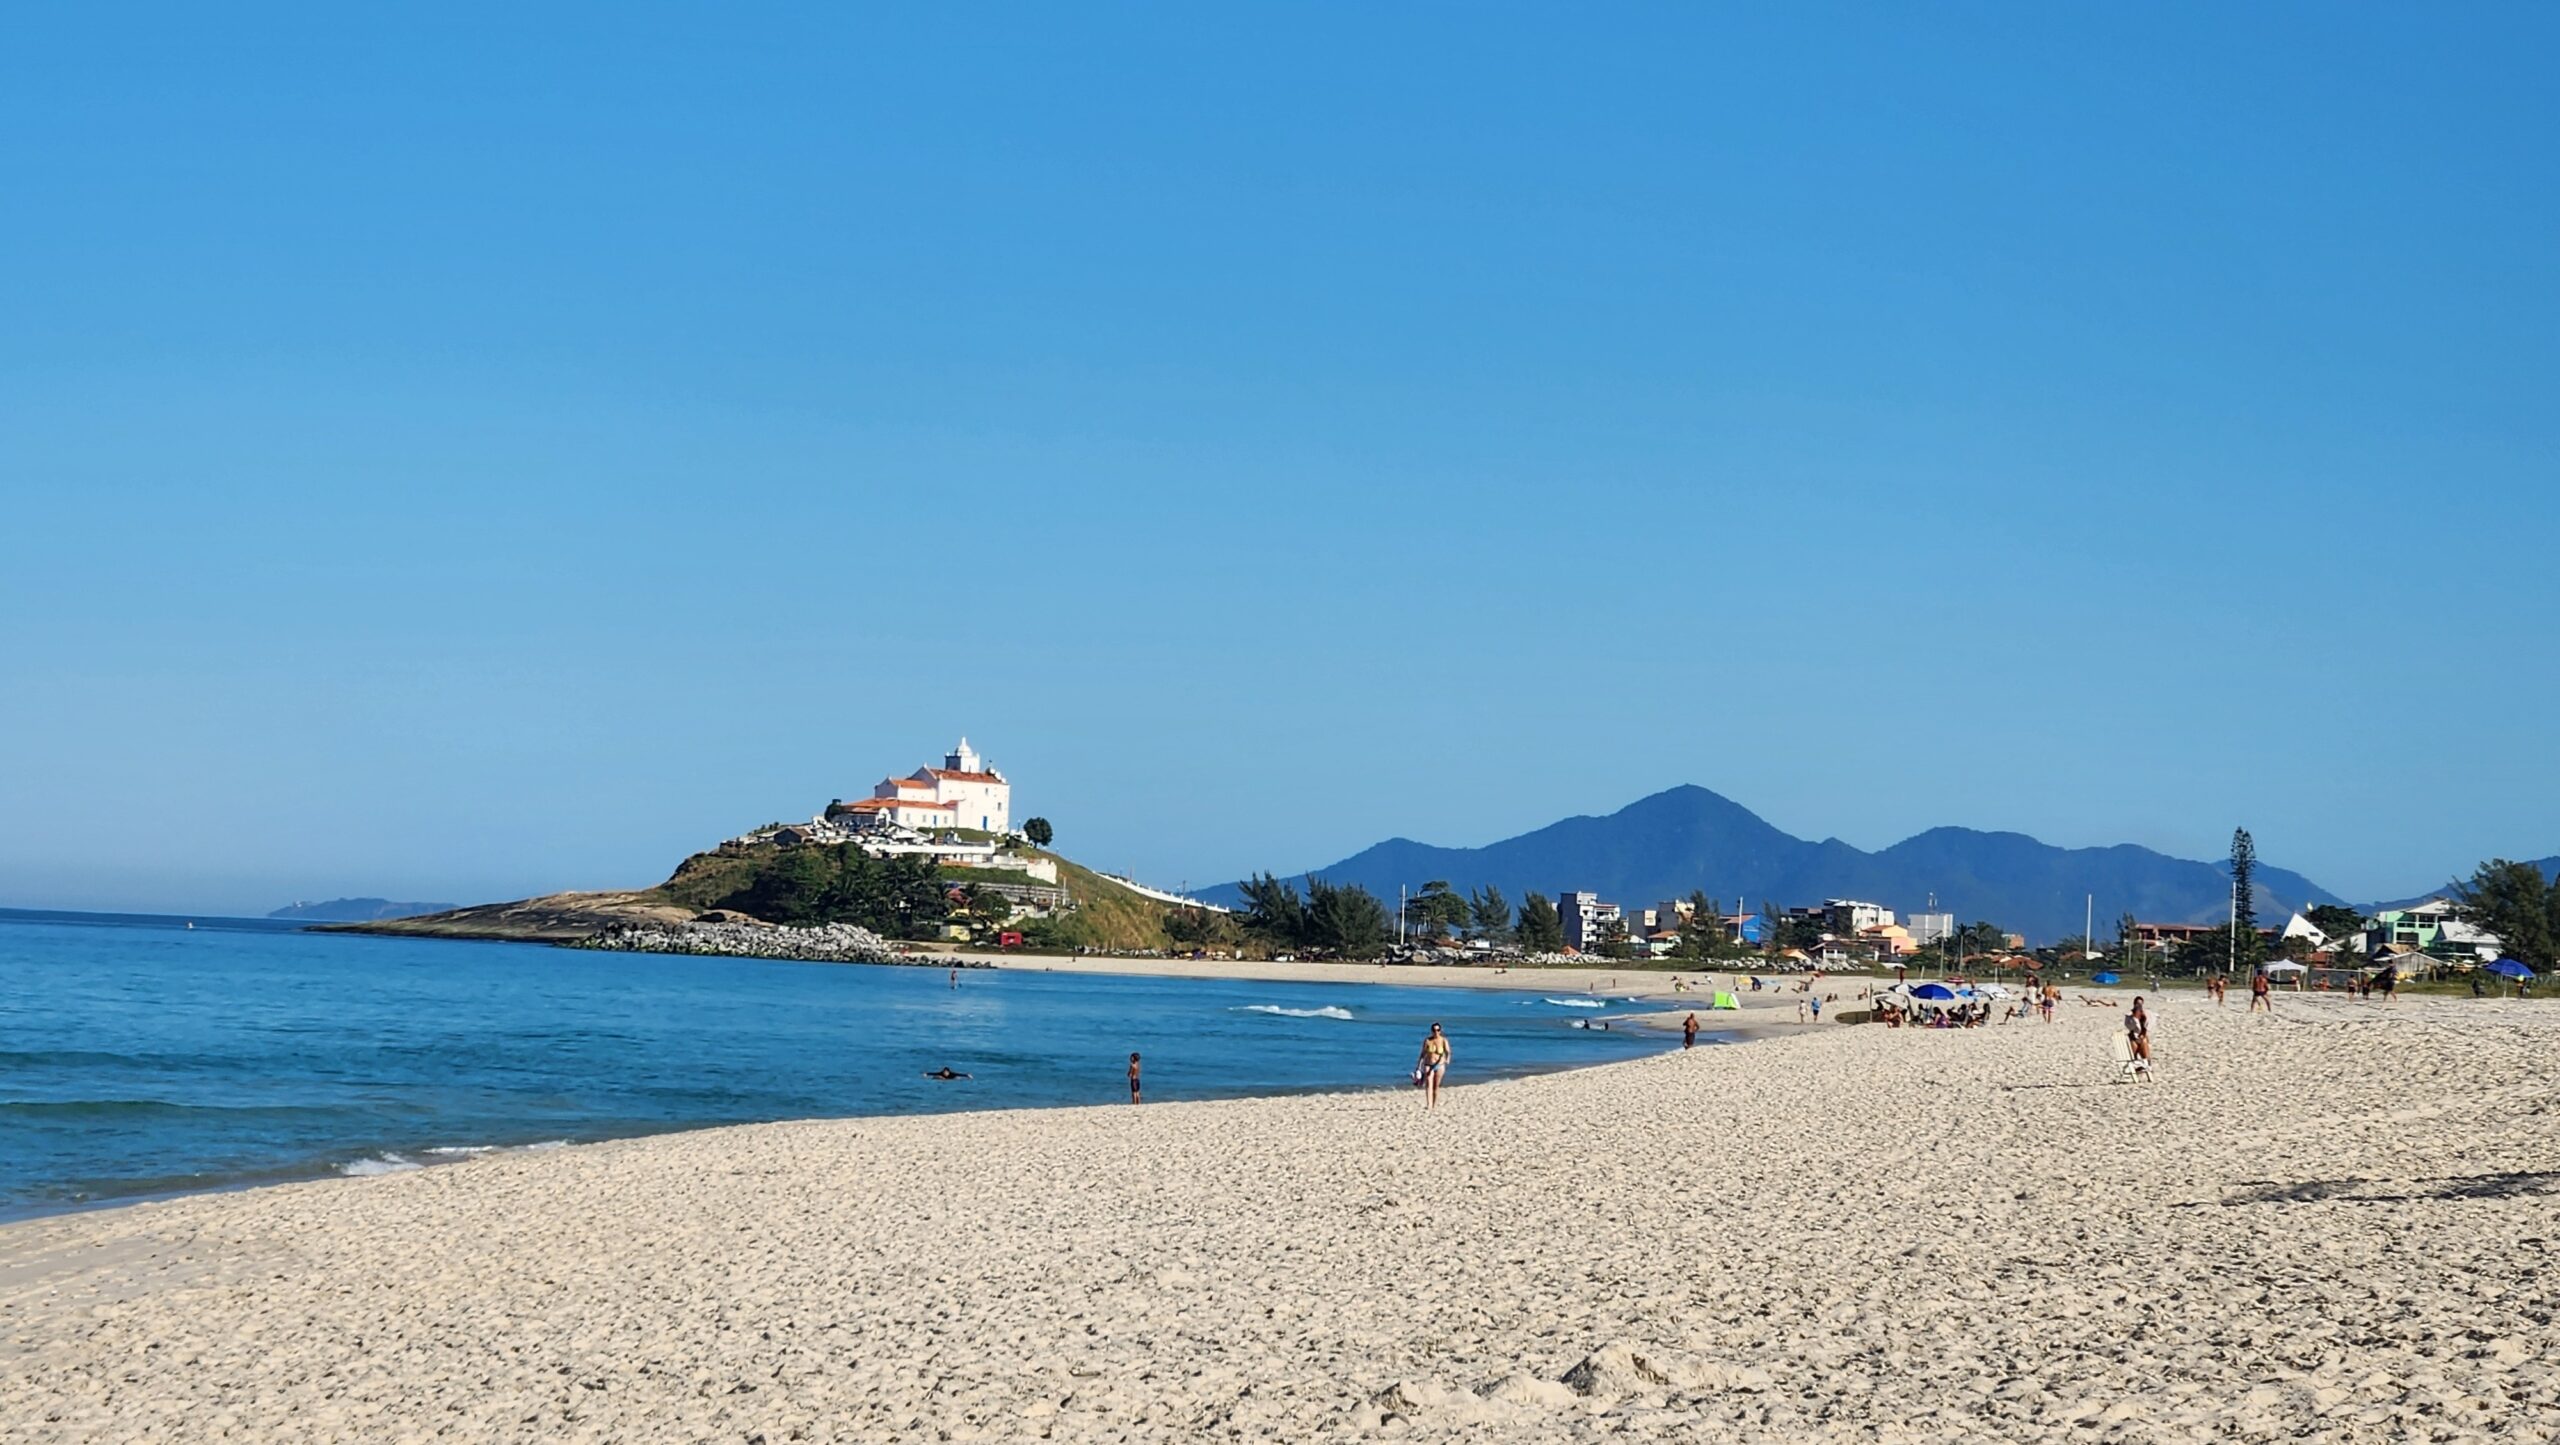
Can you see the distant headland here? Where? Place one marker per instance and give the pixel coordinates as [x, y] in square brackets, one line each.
[356, 910]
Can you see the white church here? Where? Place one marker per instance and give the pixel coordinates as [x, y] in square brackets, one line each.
[965, 792]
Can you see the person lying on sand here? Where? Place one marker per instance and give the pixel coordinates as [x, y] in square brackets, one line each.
[945, 1072]
[2095, 1002]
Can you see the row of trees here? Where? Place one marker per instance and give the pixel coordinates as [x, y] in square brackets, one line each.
[1342, 919]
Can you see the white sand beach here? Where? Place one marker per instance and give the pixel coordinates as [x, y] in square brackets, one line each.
[2337, 1224]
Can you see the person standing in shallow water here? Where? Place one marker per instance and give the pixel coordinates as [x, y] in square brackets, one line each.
[1133, 1078]
[1434, 1065]
[1689, 1032]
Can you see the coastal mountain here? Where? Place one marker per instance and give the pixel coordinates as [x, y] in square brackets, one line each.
[355, 910]
[1690, 838]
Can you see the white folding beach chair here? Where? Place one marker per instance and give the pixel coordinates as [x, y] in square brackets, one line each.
[2127, 1066]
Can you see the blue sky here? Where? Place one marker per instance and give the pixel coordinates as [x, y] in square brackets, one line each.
[469, 453]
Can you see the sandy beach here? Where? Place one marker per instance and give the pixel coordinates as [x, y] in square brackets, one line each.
[2335, 1224]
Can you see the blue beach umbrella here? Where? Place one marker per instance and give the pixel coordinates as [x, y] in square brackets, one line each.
[1932, 991]
[2509, 968]
[2104, 978]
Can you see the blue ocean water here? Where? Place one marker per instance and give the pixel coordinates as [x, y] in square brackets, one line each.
[140, 1057]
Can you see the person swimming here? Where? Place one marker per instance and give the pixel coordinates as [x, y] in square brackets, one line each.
[945, 1072]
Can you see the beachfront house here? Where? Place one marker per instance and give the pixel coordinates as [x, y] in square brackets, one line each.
[2435, 928]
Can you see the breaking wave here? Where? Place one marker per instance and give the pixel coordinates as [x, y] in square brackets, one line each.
[1327, 1012]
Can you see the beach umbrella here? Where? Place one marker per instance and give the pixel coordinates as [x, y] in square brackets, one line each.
[2509, 968]
[1933, 991]
[2288, 966]
[2104, 978]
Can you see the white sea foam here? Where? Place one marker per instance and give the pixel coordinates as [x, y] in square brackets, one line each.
[385, 1163]
[1579, 1002]
[457, 1151]
[1327, 1012]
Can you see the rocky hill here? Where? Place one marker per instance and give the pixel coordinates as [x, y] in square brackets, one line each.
[1104, 916]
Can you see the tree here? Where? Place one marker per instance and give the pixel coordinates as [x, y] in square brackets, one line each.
[1038, 831]
[1491, 911]
[1199, 927]
[1345, 920]
[1793, 932]
[1436, 909]
[2514, 901]
[1541, 928]
[2244, 903]
[2126, 946]
[1273, 911]
[1979, 938]
[791, 889]
[988, 906]
[2338, 923]
[1614, 942]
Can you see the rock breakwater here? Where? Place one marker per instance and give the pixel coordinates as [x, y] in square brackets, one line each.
[825, 943]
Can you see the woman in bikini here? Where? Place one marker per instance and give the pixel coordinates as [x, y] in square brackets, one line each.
[2137, 1030]
[1433, 1064]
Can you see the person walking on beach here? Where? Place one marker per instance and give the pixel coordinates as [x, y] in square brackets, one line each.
[1133, 1078]
[1689, 1032]
[2137, 1031]
[2260, 996]
[1433, 1065]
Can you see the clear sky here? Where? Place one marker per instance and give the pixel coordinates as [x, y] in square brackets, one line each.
[475, 450]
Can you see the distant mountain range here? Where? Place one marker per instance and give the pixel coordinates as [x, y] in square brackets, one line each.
[1690, 838]
[356, 910]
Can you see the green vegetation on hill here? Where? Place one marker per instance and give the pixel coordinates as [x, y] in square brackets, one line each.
[899, 897]
[1106, 915]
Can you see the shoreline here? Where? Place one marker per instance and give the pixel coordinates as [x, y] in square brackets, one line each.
[377, 1158]
[1711, 1244]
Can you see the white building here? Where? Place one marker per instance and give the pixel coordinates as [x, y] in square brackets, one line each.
[1930, 928]
[1586, 920]
[1848, 915]
[904, 810]
[965, 792]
